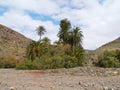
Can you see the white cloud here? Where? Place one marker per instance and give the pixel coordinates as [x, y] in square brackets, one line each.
[23, 23]
[47, 7]
[101, 21]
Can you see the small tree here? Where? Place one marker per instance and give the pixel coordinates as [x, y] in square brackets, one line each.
[34, 50]
[65, 26]
[46, 41]
[40, 30]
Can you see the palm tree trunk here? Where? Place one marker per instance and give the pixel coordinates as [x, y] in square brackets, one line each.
[40, 37]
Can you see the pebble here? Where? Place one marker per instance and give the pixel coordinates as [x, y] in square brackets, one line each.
[11, 88]
[80, 83]
[115, 72]
[92, 83]
[86, 85]
[60, 83]
[105, 88]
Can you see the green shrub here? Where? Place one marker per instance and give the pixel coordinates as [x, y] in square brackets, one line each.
[1, 64]
[48, 63]
[21, 65]
[51, 63]
[42, 56]
[117, 55]
[28, 65]
[70, 62]
[31, 65]
[79, 54]
[43, 62]
[8, 62]
[108, 60]
[57, 62]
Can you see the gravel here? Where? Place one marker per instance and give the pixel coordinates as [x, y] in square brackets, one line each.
[82, 78]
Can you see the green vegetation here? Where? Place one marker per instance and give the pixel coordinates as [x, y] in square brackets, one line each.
[65, 53]
[52, 57]
[8, 62]
[69, 36]
[109, 59]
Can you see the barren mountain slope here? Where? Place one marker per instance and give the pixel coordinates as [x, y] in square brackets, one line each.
[12, 42]
[113, 45]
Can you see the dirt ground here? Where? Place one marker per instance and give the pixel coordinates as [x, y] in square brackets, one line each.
[61, 79]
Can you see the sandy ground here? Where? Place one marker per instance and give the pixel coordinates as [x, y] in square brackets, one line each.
[60, 79]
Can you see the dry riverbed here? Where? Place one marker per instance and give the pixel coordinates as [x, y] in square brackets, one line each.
[83, 78]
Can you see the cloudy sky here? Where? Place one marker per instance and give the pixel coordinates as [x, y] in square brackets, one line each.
[98, 19]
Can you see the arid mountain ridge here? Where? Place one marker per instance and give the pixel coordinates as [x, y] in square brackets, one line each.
[12, 42]
[113, 45]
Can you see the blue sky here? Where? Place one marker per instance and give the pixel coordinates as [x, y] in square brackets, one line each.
[98, 19]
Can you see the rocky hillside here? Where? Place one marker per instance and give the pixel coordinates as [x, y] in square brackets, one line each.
[12, 42]
[93, 55]
[113, 45]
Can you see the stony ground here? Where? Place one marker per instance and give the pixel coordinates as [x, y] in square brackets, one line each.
[87, 78]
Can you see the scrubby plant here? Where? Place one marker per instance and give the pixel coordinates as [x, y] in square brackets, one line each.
[109, 59]
[109, 62]
[57, 62]
[70, 62]
[1, 64]
[28, 65]
[8, 62]
[42, 63]
[21, 65]
[117, 55]
[79, 54]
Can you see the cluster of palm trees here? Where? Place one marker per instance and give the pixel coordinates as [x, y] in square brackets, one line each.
[69, 35]
[35, 48]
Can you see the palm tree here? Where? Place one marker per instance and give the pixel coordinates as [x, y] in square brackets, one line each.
[40, 30]
[64, 29]
[76, 39]
[34, 49]
[58, 42]
[46, 41]
[77, 36]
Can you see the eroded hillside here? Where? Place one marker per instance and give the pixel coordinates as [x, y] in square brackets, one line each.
[12, 42]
